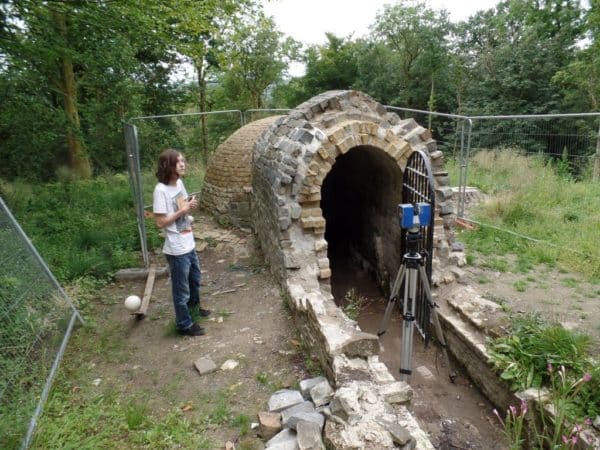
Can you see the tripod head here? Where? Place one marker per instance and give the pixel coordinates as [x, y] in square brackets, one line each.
[412, 217]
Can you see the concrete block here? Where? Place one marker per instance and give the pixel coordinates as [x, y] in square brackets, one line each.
[205, 365]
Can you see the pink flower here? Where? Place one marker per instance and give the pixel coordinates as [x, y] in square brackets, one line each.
[587, 377]
[498, 416]
[523, 407]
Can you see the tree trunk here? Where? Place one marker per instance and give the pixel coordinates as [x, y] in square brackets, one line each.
[78, 160]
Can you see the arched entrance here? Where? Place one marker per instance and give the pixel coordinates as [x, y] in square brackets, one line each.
[359, 199]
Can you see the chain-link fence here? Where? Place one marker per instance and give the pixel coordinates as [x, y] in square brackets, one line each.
[36, 320]
[572, 139]
[196, 135]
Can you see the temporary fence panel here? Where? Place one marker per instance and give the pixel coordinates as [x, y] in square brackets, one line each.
[36, 320]
[196, 135]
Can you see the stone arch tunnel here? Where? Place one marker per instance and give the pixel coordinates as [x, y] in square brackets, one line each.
[320, 188]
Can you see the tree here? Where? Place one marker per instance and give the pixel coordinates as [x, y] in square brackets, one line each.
[196, 28]
[41, 40]
[72, 69]
[417, 36]
[257, 56]
[580, 80]
[515, 51]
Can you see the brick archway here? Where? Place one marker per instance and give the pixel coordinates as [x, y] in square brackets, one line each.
[293, 158]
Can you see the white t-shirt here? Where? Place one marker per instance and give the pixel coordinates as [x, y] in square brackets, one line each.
[179, 238]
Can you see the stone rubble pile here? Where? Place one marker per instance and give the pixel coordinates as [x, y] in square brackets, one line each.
[351, 417]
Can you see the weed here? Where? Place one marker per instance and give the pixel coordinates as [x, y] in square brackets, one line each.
[135, 414]
[262, 378]
[242, 422]
[497, 264]
[523, 187]
[352, 303]
[522, 358]
[520, 285]
[570, 282]
[221, 413]
[211, 241]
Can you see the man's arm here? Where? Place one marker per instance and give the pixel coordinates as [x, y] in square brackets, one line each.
[164, 220]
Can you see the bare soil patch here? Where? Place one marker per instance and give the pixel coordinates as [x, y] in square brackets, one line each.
[557, 297]
[250, 325]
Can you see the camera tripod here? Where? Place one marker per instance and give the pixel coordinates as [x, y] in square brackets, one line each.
[411, 272]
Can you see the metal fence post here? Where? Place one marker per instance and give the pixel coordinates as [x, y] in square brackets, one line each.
[135, 178]
[597, 156]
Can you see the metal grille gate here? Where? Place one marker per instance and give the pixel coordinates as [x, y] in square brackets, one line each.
[418, 186]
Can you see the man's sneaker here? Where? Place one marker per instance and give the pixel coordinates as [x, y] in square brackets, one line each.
[205, 312]
[194, 330]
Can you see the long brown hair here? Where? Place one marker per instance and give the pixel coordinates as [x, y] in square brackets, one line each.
[167, 162]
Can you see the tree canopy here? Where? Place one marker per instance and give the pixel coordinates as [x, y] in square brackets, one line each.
[72, 71]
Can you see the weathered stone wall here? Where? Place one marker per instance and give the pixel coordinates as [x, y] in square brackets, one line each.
[291, 161]
[227, 188]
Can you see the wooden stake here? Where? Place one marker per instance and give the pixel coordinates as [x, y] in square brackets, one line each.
[147, 292]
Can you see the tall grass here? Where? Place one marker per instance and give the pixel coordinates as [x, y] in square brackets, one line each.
[532, 197]
[86, 228]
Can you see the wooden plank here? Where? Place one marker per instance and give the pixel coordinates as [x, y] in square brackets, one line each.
[147, 292]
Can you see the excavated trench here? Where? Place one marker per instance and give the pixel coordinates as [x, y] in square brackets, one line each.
[360, 191]
[321, 192]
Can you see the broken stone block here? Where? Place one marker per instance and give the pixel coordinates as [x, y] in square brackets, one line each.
[309, 436]
[284, 440]
[321, 393]
[307, 384]
[284, 399]
[205, 365]
[269, 424]
[425, 373]
[457, 258]
[400, 435]
[304, 407]
[398, 392]
[313, 417]
[361, 344]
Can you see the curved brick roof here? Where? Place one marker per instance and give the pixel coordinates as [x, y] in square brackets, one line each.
[228, 178]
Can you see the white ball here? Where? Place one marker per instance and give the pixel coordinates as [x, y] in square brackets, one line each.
[133, 303]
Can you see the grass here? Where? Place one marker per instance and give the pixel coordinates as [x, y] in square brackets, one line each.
[523, 357]
[533, 198]
[86, 228]
[84, 231]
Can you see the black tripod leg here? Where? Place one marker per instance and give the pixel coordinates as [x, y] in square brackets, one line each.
[393, 298]
[436, 321]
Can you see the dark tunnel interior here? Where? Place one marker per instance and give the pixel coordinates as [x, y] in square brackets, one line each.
[359, 199]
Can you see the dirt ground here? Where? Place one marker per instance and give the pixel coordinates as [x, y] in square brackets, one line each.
[559, 297]
[251, 326]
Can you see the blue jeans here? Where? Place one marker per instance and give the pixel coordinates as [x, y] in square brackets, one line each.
[185, 286]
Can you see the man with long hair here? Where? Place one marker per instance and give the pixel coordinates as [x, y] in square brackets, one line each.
[171, 207]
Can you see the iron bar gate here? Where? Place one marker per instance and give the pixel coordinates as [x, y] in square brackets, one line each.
[418, 185]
